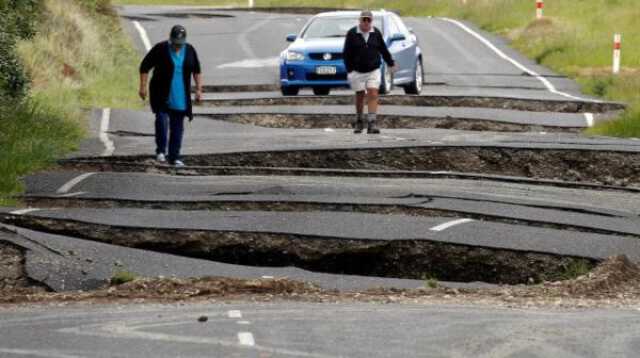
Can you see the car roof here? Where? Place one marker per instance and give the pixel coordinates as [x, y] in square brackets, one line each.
[350, 13]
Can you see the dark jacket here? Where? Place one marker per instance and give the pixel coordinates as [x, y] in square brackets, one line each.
[364, 56]
[159, 59]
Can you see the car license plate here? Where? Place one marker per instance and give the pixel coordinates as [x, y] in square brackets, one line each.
[326, 70]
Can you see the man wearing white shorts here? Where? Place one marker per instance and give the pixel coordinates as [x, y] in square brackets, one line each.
[364, 45]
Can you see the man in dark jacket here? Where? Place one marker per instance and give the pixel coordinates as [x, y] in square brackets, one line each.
[173, 62]
[363, 47]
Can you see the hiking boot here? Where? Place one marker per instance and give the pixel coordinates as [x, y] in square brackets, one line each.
[372, 129]
[358, 127]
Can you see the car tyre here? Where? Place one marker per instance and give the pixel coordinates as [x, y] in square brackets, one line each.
[415, 87]
[321, 91]
[387, 81]
[290, 90]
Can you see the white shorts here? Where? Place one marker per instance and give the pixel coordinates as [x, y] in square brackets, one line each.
[362, 81]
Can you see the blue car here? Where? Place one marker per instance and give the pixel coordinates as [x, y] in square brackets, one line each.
[314, 58]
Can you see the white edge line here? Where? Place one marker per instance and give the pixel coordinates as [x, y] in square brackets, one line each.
[23, 211]
[449, 224]
[109, 147]
[64, 189]
[143, 35]
[234, 314]
[246, 339]
[520, 66]
[589, 118]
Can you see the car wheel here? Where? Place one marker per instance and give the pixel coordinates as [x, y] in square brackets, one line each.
[290, 90]
[415, 87]
[387, 81]
[321, 91]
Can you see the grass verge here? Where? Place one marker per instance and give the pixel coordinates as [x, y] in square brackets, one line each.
[78, 59]
[574, 39]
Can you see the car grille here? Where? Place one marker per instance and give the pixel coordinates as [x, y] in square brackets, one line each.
[319, 56]
[316, 77]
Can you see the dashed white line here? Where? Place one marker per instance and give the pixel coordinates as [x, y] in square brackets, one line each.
[64, 189]
[109, 147]
[234, 314]
[246, 339]
[589, 118]
[520, 66]
[23, 211]
[449, 224]
[143, 35]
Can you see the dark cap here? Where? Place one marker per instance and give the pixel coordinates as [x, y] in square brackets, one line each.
[178, 35]
[366, 14]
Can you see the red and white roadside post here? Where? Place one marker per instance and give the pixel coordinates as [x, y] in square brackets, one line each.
[617, 40]
[539, 8]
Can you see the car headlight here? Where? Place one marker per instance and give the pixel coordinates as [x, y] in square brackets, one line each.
[294, 56]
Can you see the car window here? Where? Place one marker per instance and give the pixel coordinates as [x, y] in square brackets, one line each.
[401, 26]
[333, 26]
[393, 27]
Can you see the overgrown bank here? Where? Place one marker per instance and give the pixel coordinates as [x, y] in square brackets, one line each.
[57, 58]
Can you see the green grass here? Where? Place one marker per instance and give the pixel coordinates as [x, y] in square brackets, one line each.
[79, 59]
[182, 2]
[122, 277]
[574, 39]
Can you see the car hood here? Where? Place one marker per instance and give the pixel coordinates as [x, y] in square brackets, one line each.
[331, 44]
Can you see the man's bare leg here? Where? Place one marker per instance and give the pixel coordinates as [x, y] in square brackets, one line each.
[359, 125]
[372, 104]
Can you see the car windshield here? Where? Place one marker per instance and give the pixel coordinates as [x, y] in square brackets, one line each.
[331, 27]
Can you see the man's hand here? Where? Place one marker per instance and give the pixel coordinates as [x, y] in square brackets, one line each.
[394, 68]
[198, 95]
[143, 93]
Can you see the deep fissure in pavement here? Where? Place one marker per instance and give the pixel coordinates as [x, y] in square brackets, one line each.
[13, 275]
[311, 121]
[570, 165]
[532, 105]
[407, 258]
[293, 206]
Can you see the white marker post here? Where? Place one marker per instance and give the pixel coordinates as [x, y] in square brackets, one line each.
[539, 8]
[251, 3]
[617, 40]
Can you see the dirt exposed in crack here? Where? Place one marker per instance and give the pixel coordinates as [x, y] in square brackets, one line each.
[613, 283]
[311, 121]
[13, 277]
[570, 165]
[532, 105]
[293, 206]
[414, 259]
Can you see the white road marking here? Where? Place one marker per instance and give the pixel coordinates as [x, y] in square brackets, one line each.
[253, 63]
[520, 66]
[242, 38]
[234, 314]
[37, 353]
[246, 339]
[64, 189]
[143, 35]
[24, 211]
[589, 118]
[268, 277]
[449, 224]
[109, 147]
[243, 322]
[70, 195]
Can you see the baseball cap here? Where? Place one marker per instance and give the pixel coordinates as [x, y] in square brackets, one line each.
[366, 14]
[178, 35]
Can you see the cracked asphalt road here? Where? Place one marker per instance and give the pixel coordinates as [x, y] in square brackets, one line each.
[238, 48]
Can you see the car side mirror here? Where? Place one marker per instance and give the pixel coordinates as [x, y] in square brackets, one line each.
[398, 37]
[291, 38]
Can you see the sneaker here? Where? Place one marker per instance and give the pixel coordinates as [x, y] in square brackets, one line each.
[358, 127]
[372, 129]
[161, 158]
[178, 164]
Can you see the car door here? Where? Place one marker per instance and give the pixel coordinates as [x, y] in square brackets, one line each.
[406, 52]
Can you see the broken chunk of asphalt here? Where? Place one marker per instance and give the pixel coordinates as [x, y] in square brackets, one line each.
[45, 262]
[617, 168]
[520, 104]
[472, 119]
[350, 243]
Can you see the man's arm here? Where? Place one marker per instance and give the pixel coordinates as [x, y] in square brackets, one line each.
[197, 76]
[347, 52]
[384, 50]
[147, 64]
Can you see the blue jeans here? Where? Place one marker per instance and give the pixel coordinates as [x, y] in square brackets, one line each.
[169, 124]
